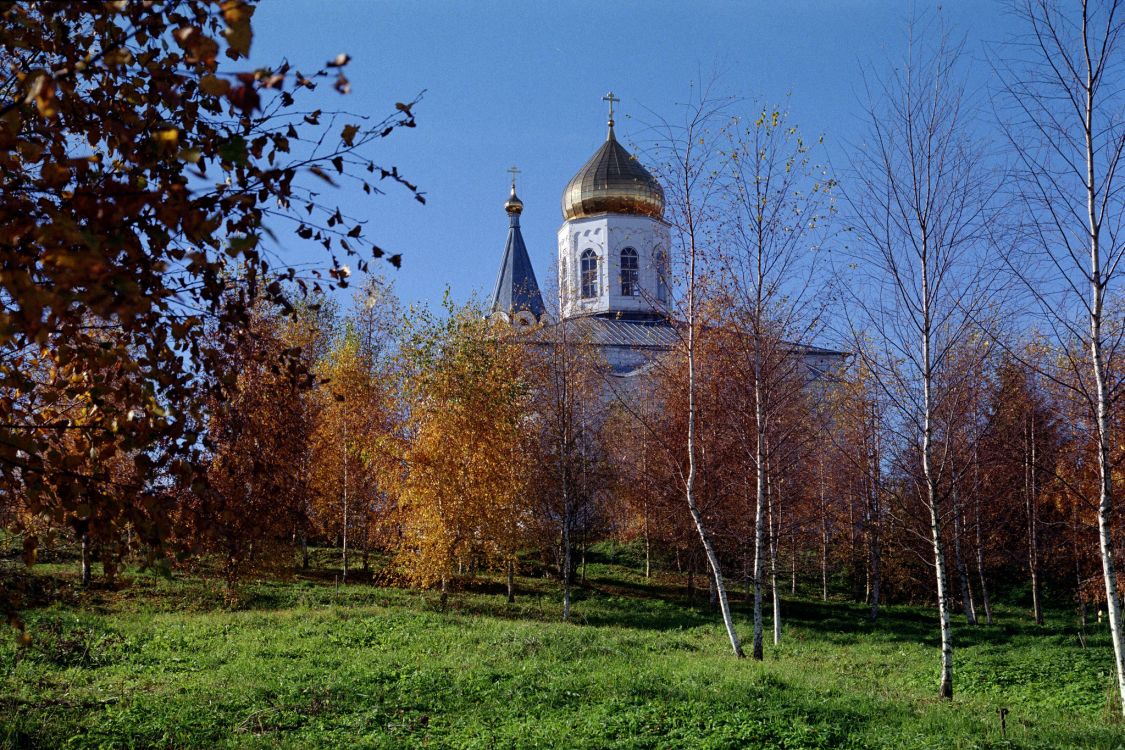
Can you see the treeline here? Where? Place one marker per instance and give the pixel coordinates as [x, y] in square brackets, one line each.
[447, 444]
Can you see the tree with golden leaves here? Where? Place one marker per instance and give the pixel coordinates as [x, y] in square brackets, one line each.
[352, 448]
[468, 454]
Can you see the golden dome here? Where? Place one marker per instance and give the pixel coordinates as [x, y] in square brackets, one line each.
[514, 206]
[612, 181]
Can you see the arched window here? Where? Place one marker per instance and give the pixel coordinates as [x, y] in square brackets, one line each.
[630, 273]
[661, 276]
[589, 279]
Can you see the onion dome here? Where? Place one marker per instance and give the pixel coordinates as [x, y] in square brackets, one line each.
[514, 206]
[612, 181]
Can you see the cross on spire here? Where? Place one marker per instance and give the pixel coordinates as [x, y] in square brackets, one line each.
[612, 99]
[513, 171]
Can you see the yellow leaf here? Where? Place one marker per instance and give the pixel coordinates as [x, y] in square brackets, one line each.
[41, 89]
[170, 136]
[238, 33]
[214, 86]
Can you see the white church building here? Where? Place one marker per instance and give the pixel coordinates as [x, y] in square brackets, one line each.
[613, 267]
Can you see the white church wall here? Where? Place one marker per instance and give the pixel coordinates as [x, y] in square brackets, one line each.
[607, 235]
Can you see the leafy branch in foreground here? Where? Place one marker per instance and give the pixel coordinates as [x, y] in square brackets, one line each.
[140, 179]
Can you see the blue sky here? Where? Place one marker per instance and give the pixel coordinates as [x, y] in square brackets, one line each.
[521, 83]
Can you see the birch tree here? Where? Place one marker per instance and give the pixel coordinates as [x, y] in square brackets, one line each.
[775, 200]
[1065, 121]
[917, 198]
[572, 466]
[689, 150]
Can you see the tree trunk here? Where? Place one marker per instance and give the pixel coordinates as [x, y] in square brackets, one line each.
[85, 559]
[565, 415]
[823, 532]
[775, 532]
[568, 575]
[962, 569]
[1079, 593]
[366, 544]
[1105, 505]
[793, 562]
[759, 519]
[824, 560]
[979, 543]
[648, 545]
[511, 582]
[945, 686]
[697, 517]
[1032, 521]
[304, 550]
[875, 515]
[344, 535]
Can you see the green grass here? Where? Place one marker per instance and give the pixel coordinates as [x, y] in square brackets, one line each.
[161, 663]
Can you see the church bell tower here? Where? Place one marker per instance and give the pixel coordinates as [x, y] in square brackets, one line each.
[613, 244]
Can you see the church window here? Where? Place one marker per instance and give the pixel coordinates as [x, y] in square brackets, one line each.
[589, 263]
[630, 273]
[661, 276]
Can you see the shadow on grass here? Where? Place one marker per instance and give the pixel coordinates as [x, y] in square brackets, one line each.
[847, 623]
[612, 597]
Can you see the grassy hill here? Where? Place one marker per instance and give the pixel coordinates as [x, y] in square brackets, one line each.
[302, 664]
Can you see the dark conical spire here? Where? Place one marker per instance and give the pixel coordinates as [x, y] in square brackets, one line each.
[516, 289]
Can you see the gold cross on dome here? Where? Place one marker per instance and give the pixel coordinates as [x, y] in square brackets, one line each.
[513, 171]
[612, 100]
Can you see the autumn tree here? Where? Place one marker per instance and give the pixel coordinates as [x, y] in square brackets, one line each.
[353, 445]
[1022, 449]
[569, 401]
[311, 329]
[141, 156]
[258, 425]
[464, 496]
[853, 439]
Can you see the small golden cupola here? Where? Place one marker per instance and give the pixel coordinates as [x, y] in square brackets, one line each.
[612, 181]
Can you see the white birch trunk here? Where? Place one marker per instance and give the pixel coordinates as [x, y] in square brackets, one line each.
[759, 521]
[697, 517]
[945, 687]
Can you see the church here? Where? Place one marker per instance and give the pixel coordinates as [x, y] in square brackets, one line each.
[613, 267]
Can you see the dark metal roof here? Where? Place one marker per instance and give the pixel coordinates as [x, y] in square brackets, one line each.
[612, 181]
[658, 334]
[516, 289]
[640, 331]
